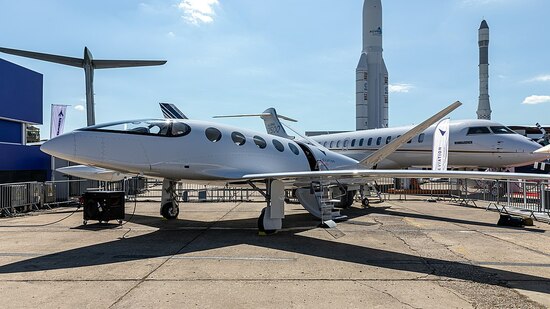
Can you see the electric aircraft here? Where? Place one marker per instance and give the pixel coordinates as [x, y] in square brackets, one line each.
[210, 153]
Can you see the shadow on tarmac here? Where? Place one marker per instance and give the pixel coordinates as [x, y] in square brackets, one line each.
[180, 237]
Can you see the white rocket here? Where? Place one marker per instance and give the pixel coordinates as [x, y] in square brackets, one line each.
[484, 106]
[371, 97]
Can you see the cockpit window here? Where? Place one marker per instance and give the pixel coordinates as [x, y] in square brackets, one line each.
[502, 130]
[478, 130]
[180, 129]
[145, 127]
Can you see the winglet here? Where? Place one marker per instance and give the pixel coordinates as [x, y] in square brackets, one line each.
[379, 155]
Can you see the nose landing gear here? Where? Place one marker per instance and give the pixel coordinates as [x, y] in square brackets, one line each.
[169, 208]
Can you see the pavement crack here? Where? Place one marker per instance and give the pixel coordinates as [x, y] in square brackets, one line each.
[388, 294]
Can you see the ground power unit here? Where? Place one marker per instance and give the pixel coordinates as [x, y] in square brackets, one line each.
[103, 206]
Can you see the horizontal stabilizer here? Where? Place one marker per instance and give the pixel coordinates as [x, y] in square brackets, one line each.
[75, 62]
[108, 64]
[382, 153]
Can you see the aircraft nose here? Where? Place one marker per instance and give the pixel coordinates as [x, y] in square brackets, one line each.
[543, 150]
[62, 146]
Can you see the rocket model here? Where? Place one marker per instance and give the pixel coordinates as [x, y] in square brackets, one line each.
[371, 83]
[483, 107]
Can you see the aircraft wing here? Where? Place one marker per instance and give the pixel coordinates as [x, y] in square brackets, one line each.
[93, 173]
[75, 62]
[361, 174]
[379, 155]
[107, 64]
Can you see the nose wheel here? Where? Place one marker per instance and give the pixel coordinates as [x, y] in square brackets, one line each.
[169, 208]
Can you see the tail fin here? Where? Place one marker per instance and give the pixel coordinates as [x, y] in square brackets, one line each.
[170, 111]
[271, 120]
[272, 123]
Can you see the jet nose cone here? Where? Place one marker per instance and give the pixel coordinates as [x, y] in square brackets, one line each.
[62, 146]
[543, 150]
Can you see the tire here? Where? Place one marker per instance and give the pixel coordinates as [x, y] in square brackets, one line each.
[365, 202]
[169, 211]
[261, 230]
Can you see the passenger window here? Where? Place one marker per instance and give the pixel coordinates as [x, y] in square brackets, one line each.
[331, 144]
[353, 143]
[238, 138]
[369, 142]
[378, 140]
[260, 142]
[388, 139]
[338, 144]
[293, 148]
[421, 138]
[213, 134]
[324, 144]
[361, 142]
[478, 130]
[180, 129]
[278, 145]
[346, 143]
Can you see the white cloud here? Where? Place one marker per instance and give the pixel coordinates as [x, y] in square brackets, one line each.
[79, 107]
[393, 88]
[171, 34]
[198, 11]
[540, 78]
[537, 99]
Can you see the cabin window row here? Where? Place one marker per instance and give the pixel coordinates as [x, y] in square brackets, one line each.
[214, 135]
[366, 142]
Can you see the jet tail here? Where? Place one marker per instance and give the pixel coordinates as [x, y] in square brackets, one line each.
[170, 111]
[271, 120]
[376, 157]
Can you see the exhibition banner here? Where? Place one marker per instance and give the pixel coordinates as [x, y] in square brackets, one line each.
[440, 151]
[58, 120]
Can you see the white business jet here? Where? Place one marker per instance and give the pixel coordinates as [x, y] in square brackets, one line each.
[211, 153]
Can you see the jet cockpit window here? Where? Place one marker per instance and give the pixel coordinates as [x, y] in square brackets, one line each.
[278, 145]
[213, 134]
[478, 130]
[238, 138]
[502, 130]
[144, 127]
[180, 129]
[260, 142]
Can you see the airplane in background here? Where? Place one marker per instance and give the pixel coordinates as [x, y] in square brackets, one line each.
[210, 153]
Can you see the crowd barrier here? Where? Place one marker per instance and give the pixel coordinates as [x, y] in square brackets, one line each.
[530, 196]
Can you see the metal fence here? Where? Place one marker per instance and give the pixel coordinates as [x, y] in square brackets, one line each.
[530, 196]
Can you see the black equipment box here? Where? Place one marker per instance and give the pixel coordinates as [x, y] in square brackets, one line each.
[103, 206]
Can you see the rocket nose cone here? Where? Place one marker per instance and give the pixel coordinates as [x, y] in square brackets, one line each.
[62, 146]
[483, 25]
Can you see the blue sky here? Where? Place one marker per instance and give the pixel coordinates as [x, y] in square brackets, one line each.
[299, 56]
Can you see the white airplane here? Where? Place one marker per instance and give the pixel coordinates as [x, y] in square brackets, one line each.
[473, 144]
[210, 153]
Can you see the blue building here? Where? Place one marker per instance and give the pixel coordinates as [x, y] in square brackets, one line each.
[20, 107]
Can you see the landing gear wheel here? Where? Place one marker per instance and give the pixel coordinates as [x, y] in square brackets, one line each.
[365, 202]
[119, 221]
[261, 230]
[169, 210]
[84, 222]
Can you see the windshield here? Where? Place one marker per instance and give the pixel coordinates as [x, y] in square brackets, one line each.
[502, 130]
[145, 127]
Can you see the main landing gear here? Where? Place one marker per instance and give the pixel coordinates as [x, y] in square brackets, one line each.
[169, 208]
[271, 218]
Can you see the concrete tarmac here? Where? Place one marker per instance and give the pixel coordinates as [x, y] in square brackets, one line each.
[396, 254]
